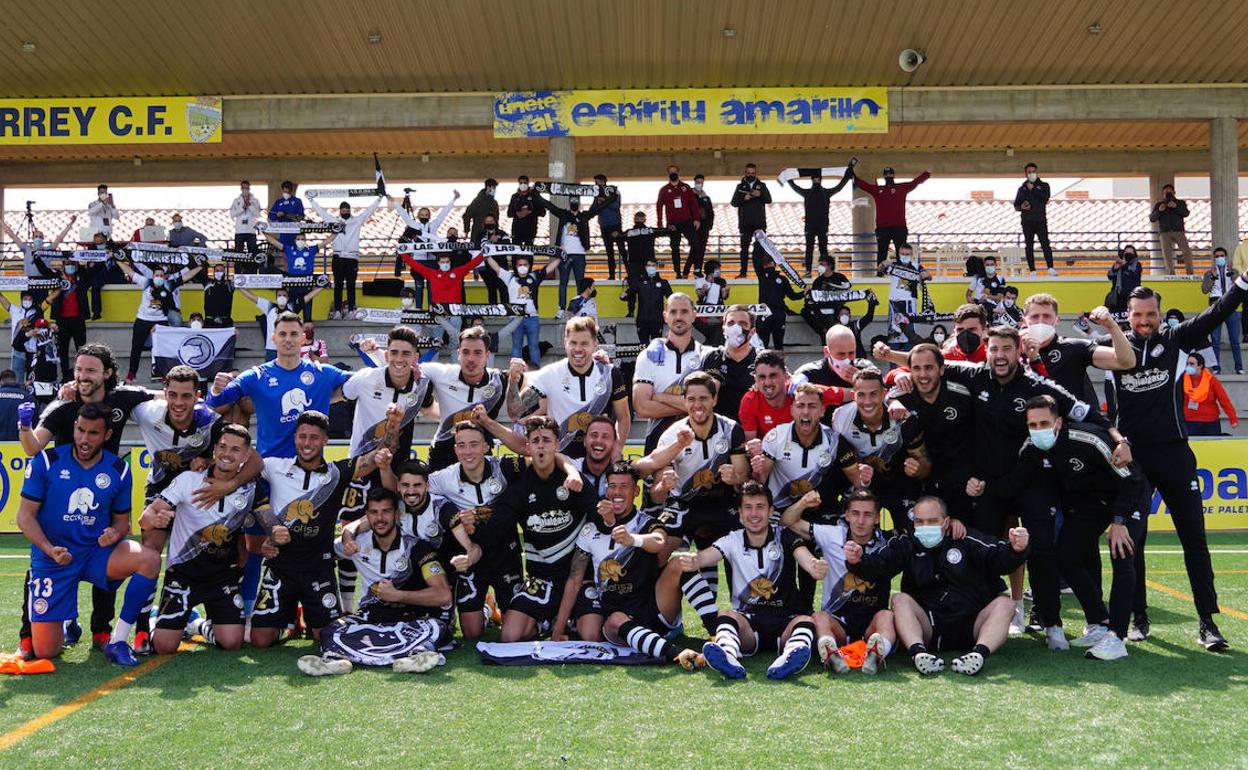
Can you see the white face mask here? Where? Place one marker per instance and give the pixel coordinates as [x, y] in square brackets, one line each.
[697, 186]
[905, 259]
[285, 196]
[219, 275]
[177, 225]
[1041, 333]
[734, 335]
[844, 368]
[522, 270]
[1033, 176]
[197, 324]
[845, 319]
[27, 304]
[1009, 303]
[281, 301]
[990, 269]
[407, 302]
[103, 196]
[524, 187]
[301, 244]
[938, 338]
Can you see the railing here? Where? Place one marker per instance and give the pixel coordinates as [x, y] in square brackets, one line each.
[1082, 253]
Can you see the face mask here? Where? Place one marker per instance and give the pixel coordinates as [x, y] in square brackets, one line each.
[929, 536]
[1008, 302]
[888, 180]
[281, 301]
[1043, 439]
[71, 269]
[673, 177]
[489, 227]
[158, 282]
[1032, 177]
[301, 243]
[905, 259]
[844, 368]
[750, 178]
[715, 274]
[845, 319]
[219, 275]
[423, 220]
[825, 268]
[27, 304]
[734, 335]
[697, 186]
[968, 341]
[573, 206]
[177, 225]
[522, 270]
[197, 324]
[344, 215]
[407, 302]
[1041, 333]
[1191, 371]
[1128, 255]
[639, 223]
[652, 271]
[1172, 322]
[36, 242]
[444, 266]
[593, 294]
[1220, 261]
[452, 238]
[285, 196]
[524, 187]
[489, 191]
[103, 196]
[990, 270]
[938, 338]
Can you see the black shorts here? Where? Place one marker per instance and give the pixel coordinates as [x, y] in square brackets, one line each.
[702, 524]
[220, 596]
[855, 621]
[539, 599]
[282, 590]
[769, 625]
[504, 575]
[952, 632]
[644, 610]
[383, 614]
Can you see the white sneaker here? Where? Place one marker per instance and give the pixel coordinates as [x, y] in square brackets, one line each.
[1109, 648]
[1092, 635]
[1056, 639]
[334, 315]
[317, 665]
[419, 663]
[1052, 271]
[1019, 624]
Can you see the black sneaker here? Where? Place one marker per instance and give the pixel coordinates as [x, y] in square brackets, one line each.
[1211, 638]
[1139, 630]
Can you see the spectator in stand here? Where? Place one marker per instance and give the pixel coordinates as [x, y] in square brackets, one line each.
[711, 289]
[610, 226]
[640, 240]
[773, 289]
[1202, 395]
[21, 318]
[652, 292]
[346, 262]
[707, 209]
[422, 228]
[495, 288]
[102, 211]
[571, 235]
[815, 202]
[679, 205]
[482, 207]
[155, 306]
[70, 312]
[1030, 201]
[44, 362]
[196, 321]
[982, 284]
[446, 285]
[301, 260]
[1169, 213]
[1218, 279]
[890, 209]
[32, 266]
[822, 315]
[585, 303]
[1125, 274]
[137, 235]
[313, 349]
[750, 199]
[287, 208]
[522, 287]
[12, 394]
[96, 274]
[219, 300]
[180, 235]
[525, 209]
[245, 211]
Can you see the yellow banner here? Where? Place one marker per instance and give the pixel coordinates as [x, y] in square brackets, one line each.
[676, 111]
[1219, 468]
[124, 120]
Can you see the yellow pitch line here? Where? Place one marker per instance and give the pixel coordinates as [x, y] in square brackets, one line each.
[27, 729]
[1184, 572]
[1188, 597]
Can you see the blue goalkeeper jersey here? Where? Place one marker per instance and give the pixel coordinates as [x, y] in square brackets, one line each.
[280, 396]
[76, 503]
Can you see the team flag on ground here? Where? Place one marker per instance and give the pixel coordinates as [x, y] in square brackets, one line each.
[207, 351]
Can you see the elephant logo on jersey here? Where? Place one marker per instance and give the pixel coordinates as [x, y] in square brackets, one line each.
[459, 417]
[800, 487]
[82, 501]
[217, 534]
[675, 389]
[703, 479]
[301, 511]
[482, 513]
[580, 421]
[294, 400]
[761, 587]
[854, 583]
[610, 571]
[170, 459]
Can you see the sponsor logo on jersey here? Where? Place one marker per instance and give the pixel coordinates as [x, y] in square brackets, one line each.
[1076, 464]
[217, 534]
[1151, 379]
[610, 571]
[307, 378]
[549, 521]
[301, 511]
[294, 400]
[761, 587]
[82, 501]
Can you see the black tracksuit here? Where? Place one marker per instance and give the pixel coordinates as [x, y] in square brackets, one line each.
[816, 200]
[751, 216]
[1149, 399]
[773, 288]
[640, 249]
[948, 429]
[735, 379]
[1035, 220]
[1066, 360]
[651, 293]
[1094, 494]
[524, 229]
[1000, 420]
[953, 587]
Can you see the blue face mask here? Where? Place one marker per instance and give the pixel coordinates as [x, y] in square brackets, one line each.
[929, 536]
[1220, 261]
[1043, 439]
[1172, 322]
[1191, 371]
[71, 269]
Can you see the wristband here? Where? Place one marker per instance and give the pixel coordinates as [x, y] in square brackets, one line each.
[637, 541]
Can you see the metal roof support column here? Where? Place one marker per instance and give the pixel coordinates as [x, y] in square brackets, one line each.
[863, 236]
[1224, 181]
[561, 167]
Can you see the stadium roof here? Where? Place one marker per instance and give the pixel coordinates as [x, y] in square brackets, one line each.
[154, 47]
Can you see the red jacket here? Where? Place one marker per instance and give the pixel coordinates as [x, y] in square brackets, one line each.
[890, 200]
[445, 286]
[689, 209]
